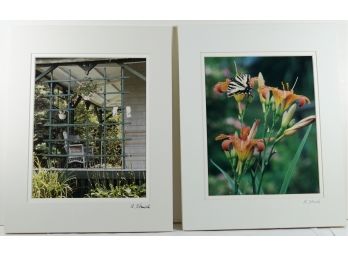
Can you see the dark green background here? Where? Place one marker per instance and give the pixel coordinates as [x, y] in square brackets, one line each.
[219, 108]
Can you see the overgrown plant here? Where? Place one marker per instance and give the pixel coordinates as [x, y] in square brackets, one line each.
[247, 154]
[117, 185]
[117, 191]
[50, 183]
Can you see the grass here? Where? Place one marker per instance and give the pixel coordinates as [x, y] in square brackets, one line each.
[50, 183]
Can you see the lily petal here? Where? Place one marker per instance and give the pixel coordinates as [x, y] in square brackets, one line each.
[226, 145]
[244, 133]
[253, 130]
[221, 87]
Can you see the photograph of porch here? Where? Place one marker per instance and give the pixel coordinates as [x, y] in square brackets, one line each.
[89, 127]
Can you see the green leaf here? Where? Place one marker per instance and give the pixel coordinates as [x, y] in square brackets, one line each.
[230, 180]
[292, 166]
[257, 181]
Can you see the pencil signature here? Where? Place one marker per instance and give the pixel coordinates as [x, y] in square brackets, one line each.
[140, 206]
[312, 201]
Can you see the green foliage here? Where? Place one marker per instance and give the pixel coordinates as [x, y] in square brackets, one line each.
[50, 183]
[217, 185]
[118, 191]
[40, 118]
[83, 114]
[114, 147]
[230, 180]
[86, 88]
[292, 165]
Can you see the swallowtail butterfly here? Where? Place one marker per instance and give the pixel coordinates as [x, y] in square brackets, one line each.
[240, 84]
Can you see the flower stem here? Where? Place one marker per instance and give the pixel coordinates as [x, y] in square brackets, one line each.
[265, 116]
[260, 183]
[236, 187]
[239, 171]
[241, 114]
[263, 155]
[239, 168]
[265, 164]
[265, 159]
[271, 152]
[232, 168]
[253, 180]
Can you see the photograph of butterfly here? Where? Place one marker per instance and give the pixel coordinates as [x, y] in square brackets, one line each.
[262, 123]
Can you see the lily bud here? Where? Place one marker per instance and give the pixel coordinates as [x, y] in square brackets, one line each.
[292, 123]
[287, 116]
[253, 130]
[273, 104]
[302, 100]
[260, 146]
[301, 124]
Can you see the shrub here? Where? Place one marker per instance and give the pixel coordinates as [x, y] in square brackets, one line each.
[50, 183]
[119, 191]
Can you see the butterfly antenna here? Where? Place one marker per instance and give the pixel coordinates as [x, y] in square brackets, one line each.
[294, 84]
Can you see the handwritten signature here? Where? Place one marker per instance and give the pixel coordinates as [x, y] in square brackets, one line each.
[140, 206]
[312, 201]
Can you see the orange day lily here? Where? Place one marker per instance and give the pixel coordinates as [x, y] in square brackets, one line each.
[244, 144]
[283, 99]
[264, 93]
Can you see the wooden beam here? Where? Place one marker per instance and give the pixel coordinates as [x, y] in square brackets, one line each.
[55, 83]
[44, 73]
[74, 61]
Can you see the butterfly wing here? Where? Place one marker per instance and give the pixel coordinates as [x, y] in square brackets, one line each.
[239, 85]
[234, 89]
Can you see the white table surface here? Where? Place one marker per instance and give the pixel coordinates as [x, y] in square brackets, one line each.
[261, 232]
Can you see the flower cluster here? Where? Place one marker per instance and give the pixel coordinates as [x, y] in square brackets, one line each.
[248, 154]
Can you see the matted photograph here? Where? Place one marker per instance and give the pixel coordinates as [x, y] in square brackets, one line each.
[89, 130]
[83, 146]
[262, 125]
